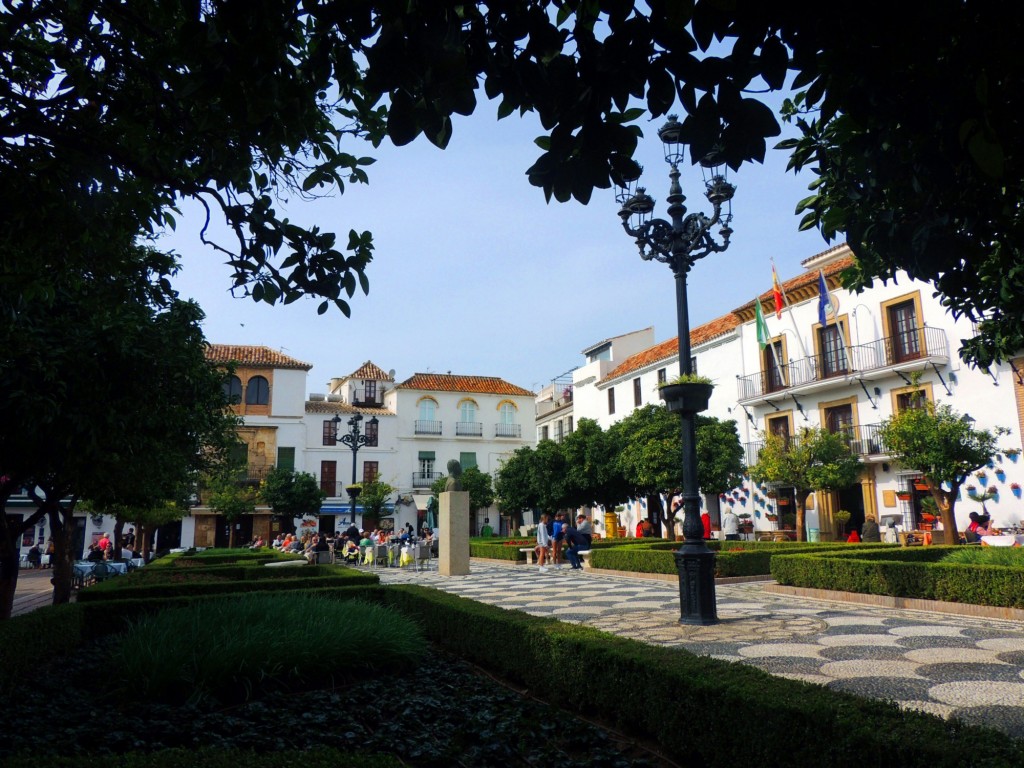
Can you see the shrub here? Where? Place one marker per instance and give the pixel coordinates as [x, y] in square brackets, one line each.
[1010, 557]
[229, 649]
[318, 757]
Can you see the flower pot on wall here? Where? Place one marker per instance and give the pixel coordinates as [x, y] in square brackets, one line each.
[686, 398]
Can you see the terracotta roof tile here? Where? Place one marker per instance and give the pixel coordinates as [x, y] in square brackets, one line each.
[487, 385]
[370, 371]
[330, 408]
[255, 356]
[800, 288]
[670, 347]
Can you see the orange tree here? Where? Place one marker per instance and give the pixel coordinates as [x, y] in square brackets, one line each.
[814, 460]
[944, 447]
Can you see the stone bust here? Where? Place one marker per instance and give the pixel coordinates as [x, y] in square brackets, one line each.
[454, 474]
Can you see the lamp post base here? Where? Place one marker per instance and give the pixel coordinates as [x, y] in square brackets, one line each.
[696, 565]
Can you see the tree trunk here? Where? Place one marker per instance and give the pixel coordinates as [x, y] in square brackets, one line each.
[118, 536]
[10, 555]
[63, 557]
[945, 500]
[657, 514]
[801, 500]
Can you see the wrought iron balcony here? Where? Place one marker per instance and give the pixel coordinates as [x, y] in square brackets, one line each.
[508, 430]
[427, 427]
[424, 479]
[863, 441]
[469, 428]
[880, 355]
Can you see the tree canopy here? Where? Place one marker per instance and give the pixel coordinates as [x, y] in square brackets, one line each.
[814, 460]
[291, 494]
[944, 447]
[915, 143]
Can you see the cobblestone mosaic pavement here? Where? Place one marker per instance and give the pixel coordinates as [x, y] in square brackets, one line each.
[966, 667]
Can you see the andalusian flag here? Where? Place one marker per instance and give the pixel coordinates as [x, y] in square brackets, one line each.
[762, 326]
[777, 294]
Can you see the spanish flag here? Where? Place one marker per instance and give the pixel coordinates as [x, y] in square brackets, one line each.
[777, 293]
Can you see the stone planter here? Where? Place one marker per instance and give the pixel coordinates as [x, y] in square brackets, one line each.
[686, 398]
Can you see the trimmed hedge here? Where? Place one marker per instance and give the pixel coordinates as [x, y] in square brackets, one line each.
[340, 578]
[905, 572]
[318, 757]
[617, 680]
[668, 695]
[194, 559]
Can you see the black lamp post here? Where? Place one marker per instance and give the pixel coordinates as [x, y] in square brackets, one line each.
[680, 243]
[355, 441]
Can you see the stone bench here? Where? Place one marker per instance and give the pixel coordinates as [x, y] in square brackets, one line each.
[584, 555]
[529, 554]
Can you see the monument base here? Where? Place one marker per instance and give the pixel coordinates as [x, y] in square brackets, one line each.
[453, 529]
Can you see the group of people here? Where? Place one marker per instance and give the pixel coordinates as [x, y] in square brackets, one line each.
[104, 548]
[559, 540]
[344, 546]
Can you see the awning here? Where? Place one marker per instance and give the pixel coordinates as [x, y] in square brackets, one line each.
[426, 455]
[421, 501]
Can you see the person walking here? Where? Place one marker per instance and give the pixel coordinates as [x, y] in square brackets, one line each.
[543, 542]
[730, 525]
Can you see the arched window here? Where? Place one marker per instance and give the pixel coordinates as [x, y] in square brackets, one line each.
[233, 390]
[467, 411]
[427, 409]
[507, 414]
[257, 391]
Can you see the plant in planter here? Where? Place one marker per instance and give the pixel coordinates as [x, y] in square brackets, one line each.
[843, 517]
[1012, 454]
[903, 495]
[1015, 490]
[982, 476]
[1001, 475]
[687, 393]
[772, 517]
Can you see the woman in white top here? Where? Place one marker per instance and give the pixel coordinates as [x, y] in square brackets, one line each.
[543, 541]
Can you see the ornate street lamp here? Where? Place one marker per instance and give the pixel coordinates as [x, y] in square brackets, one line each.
[355, 441]
[680, 243]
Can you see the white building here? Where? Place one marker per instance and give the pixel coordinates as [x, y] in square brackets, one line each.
[847, 375]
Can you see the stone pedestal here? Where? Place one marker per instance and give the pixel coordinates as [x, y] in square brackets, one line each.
[453, 528]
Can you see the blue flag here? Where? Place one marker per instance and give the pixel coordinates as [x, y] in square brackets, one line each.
[824, 300]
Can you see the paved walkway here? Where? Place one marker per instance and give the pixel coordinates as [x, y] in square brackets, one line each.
[947, 665]
[34, 590]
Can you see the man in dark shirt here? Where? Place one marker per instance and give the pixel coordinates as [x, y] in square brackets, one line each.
[575, 542]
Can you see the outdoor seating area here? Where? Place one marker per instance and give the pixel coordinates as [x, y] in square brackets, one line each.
[86, 572]
[417, 554]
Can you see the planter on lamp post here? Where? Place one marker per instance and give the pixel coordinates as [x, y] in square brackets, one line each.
[689, 396]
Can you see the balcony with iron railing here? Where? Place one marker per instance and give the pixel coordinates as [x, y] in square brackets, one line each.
[424, 479]
[891, 353]
[421, 427]
[864, 441]
[508, 430]
[469, 429]
[372, 397]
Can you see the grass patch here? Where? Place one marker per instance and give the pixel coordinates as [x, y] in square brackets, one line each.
[231, 650]
[1010, 557]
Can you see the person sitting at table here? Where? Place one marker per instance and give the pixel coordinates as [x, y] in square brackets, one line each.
[95, 554]
[35, 557]
[869, 531]
[350, 551]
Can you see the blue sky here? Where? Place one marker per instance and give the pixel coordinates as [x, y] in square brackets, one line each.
[474, 273]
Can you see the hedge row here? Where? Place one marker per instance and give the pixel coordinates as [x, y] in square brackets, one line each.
[299, 578]
[617, 680]
[748, 559]
[678, 699]
[317, 757]
[911, 572]
[196, 559]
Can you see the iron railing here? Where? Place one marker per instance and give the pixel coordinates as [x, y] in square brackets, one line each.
[508, 430]
[424, 479]
[469, 428]
[427, 427]
[913, 344]
[864, 440]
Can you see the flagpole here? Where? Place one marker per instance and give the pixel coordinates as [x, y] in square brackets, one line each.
[796, 330]
[763, 330]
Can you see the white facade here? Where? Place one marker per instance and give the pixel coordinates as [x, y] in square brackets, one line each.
[850, 379]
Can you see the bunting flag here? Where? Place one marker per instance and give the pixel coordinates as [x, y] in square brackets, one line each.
[825, 305]
[777, 294]
[762, 326]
